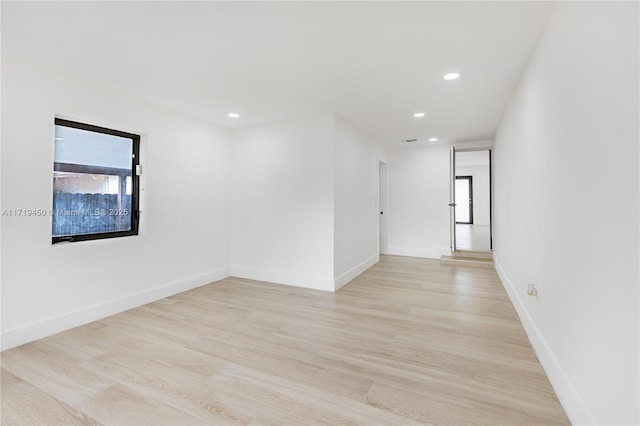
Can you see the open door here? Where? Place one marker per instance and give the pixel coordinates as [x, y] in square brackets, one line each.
[472, 199]
[452, 197]
[490, 203]
[382, 204]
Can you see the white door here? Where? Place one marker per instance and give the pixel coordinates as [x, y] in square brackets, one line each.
[452, 197]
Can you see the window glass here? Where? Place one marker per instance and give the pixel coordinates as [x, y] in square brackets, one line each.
[94, 182]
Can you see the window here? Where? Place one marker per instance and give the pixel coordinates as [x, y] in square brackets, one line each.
[95, 184]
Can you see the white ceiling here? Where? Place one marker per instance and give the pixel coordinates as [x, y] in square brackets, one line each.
[372, 63]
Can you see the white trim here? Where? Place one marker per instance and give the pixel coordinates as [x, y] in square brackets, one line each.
[569, 397]
[304, 281]
[355, 271]
[473, 145]
[433, 253]
[37, 330]
[383, 206]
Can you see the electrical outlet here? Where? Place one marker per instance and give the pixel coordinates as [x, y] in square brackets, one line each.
[532, 290]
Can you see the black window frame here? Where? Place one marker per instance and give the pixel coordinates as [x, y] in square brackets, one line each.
[469, 179]
[135, 181]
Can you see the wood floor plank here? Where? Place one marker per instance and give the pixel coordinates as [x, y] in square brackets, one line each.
[119, 405]
[41, 366]
[409, 341]
[184, 392]
[335, 381]
[458, 411]
[24, 404]
[436, 382]
[278, 400]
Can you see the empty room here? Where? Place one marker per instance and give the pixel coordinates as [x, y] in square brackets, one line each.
[305, 213]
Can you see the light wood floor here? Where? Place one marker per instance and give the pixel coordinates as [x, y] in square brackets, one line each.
[409, 341]
[473, 237]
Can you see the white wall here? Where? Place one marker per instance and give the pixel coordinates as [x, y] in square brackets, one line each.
[566, 207]
[282, 203]
[355, 210]
[418, 219]
[304, 198]
[481, 194]
[184, 237]
[418, 201]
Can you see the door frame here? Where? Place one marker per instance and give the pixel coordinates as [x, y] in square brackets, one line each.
[470, 204]
[490, 200]
[452, 199]
[452, 205]
[382, 207]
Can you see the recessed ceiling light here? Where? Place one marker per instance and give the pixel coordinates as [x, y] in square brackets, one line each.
[418, 114]
[433, 139]
[234, 115]
[451, 76]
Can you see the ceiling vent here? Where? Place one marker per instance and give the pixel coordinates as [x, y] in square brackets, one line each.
[409, 140]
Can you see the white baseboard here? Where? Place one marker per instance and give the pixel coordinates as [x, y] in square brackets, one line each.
[355, 271]
[571, 401]
[47, 327]
[304, 281]
[433, 253]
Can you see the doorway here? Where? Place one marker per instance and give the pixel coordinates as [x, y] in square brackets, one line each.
[382, 207]
[464, 200]
[471, 200]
